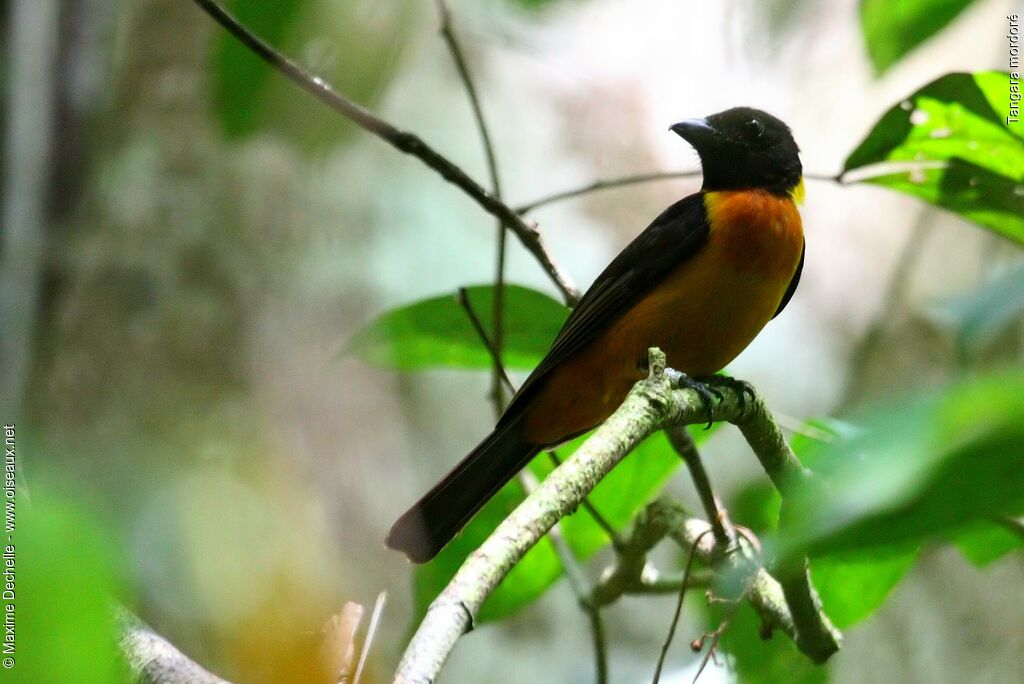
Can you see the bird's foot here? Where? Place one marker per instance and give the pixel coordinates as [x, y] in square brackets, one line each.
[706, 393]
[743, 389]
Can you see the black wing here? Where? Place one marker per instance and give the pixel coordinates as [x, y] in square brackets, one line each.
[791, 290]
[672, 238]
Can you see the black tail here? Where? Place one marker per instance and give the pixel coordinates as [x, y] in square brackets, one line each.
[424, 529]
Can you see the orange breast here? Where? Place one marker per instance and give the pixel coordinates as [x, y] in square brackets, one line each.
[702, 315]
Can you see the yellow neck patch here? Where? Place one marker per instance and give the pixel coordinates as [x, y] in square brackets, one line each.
[798, 192]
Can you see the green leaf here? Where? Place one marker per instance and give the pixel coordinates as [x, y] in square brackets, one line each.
[983, 542]
[617, 498]
[853, 585]
[892, 29]
[65, 590]
[437, 332]
[963, 154]
[916, 469]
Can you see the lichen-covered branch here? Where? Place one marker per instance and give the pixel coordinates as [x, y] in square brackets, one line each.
[653, 404]
[154, 660]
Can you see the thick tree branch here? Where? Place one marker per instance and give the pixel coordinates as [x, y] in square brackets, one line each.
[652, 404]
[404, 141]
[154, 660]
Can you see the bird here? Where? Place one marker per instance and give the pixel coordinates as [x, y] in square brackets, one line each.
[700, 282]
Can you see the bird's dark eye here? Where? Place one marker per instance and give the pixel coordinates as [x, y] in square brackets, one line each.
[753, 129]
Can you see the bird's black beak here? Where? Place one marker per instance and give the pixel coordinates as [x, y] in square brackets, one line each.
[695, 131]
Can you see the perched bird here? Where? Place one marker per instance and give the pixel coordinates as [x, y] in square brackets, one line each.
[700, 283]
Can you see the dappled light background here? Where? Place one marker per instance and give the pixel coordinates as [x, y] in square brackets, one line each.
[214, 237]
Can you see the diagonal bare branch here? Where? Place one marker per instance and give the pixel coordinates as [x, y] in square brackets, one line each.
[404, 141]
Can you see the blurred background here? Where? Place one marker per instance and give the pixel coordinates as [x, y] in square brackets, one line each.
[189, 242]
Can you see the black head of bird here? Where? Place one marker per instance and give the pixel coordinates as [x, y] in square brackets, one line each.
[744, 148]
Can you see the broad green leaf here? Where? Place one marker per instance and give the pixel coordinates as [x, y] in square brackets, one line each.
[983, 541]
[853, 585]
[437, 332]
[355, 45]
[756, 660]
[963, 152]
[977, 317]
[65, 588]
[917, 468]
[617, 498]
[892, 29]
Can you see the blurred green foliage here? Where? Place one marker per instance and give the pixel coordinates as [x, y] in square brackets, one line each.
[892, 29]
[980, 315]
[66, 588]
[851, 585]
[967, 158]
[354, 45]
[917, 468]
[534, 5]
[984, 541]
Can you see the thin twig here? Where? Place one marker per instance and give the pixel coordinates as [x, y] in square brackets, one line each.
[716, 636]
[371, 632]
[606, 184]
[668, 585]
[597, 634]
[679, 605]
[684, 445]
[404, 141]
[498, 307]
[633, 179]
[462, 298]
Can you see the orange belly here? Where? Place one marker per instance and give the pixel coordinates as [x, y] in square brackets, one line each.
[702, 315]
